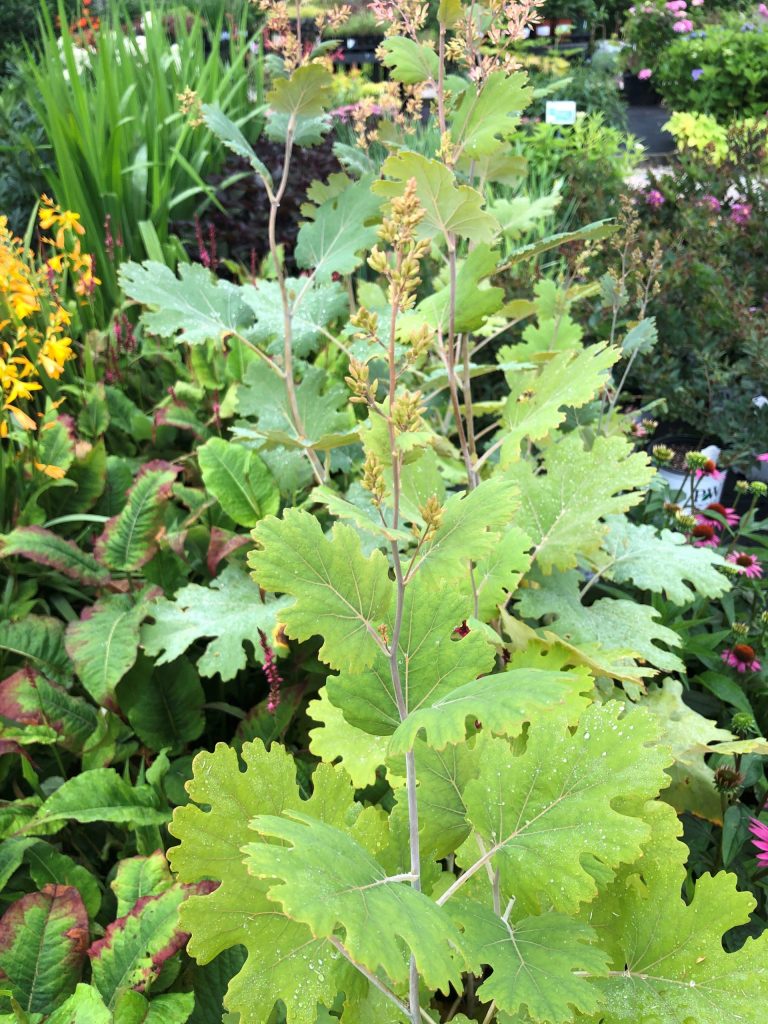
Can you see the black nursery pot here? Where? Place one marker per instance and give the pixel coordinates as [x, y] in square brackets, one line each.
[639, 92]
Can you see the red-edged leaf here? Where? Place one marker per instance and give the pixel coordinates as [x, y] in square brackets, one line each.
[223, 543]
[29, 698]
[46, 548]
[43, 939]
[137, 945]
[130, 538]
[139, 877]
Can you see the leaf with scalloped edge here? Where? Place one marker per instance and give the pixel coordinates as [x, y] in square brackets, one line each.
[486, 117]
[229, 611]
[442, 776]
[690, 736]
[43, 937]
[411, 62]
[193, 307]
[326, 879]
[284, 961]
[540, 811]
[320, 305]
[339, 593]
[335, 739]
[324, 410]
[432, 661]
[660, 561]
[538, 963]
[538, 399]
[497, 574]
[470, 529]
[451, 209]
[342, 228]
[562, 508]
[622, 628]
[668, 964]
[306, 93]
[503, 703]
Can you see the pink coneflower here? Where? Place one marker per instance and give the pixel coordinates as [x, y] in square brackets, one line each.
[654, 198]
[760, 832]
[762, 458]
[746, 565]
[741, 213]
[705, 534]
[709, 469]
[730, 515]
[742, 658]
[644, 74]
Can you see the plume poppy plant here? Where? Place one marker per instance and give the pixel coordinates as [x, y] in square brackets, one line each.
[746, 564]
[742, 658]
[759, 832]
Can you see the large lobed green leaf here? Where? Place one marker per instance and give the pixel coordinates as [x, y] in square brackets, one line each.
[340, 594]
[668, 964]
[661, 561]
[230, 611]
[451, 209]
[343, 226]
[194, 306]
[284, 960]
[621, 628]
[330, 882]
[545, 811]
[562, 508]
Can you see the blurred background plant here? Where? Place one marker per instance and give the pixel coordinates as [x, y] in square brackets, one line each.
[722, 71]
[116, 145]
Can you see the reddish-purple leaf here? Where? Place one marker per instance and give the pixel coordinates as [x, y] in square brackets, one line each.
[137, 945]
[29, 698]
[223, 543]
[43, 940]
[46, 548]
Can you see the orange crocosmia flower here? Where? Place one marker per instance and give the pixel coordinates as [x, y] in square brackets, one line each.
[57, 263]
[55, 472]
[24, 421]
[71, 222]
